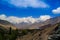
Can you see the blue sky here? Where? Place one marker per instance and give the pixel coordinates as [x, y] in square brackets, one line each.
[26, 8]
[10, 9]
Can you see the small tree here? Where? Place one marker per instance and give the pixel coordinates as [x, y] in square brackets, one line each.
[10, 30]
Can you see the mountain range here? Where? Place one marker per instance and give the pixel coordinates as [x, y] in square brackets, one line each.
[36, 25]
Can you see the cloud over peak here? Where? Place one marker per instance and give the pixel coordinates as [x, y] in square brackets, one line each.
[30, 19]
[44, 17]
[28, 3]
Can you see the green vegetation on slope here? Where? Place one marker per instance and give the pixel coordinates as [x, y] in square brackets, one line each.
[8, 34]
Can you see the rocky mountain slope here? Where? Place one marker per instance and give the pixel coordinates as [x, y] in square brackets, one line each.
[48, 22]
[37, 31]
[6, 24]
[49, 30]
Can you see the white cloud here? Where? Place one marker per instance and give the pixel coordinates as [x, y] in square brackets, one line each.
[3, 17]
[18, 20]
[44, 17]
[28, 3]
[56, 11]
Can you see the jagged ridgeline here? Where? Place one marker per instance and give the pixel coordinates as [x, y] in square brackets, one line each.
[46, 32]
